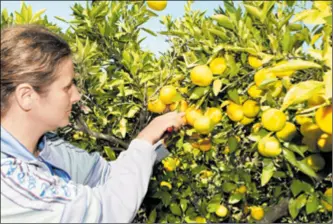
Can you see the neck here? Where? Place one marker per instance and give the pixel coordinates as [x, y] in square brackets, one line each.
[26, 132]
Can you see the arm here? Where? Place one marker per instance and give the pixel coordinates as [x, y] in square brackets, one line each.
[30, 194]
[89, 168]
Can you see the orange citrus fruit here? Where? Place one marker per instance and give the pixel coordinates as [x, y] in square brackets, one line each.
[218, 65]
[273, 119]
[200, 219]
[203, 125]
[221, 211]
[235, 112]
[156, 106]
[205, 144]
[166, 184]
[324, 143]
[316, 100]
[157, 5]
[181, 106]
[287, 133]
[168, 94]
[302, 119]
[250, 108]
[255, 92]
[323, 118]
[201, 75]
[242, 189]
[328, 193]
[246, 120]
[192, 114]
[257, 212]
[269, 147]
[254, 62]
[214, 113]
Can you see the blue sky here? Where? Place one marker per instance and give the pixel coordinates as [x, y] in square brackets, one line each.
[155, 44]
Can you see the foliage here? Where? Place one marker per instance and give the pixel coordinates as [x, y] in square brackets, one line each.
[118, 79]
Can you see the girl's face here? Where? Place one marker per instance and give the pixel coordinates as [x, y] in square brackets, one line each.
[53, 109]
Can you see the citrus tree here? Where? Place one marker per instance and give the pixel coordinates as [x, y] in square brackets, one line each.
[255, 82]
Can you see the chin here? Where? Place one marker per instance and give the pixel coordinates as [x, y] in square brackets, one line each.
[63, 123]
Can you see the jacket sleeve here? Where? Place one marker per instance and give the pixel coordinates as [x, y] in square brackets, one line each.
[90, 168]
[31, 195]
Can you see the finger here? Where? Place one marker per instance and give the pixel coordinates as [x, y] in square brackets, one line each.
[182, 114]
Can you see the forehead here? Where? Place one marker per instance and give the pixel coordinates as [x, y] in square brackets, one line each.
[65, 70]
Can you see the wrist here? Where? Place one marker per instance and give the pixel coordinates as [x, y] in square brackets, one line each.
[145, 138]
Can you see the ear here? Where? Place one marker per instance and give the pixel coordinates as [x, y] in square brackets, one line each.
[25, 96]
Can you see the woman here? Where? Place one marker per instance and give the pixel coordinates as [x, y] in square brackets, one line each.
[45, 179]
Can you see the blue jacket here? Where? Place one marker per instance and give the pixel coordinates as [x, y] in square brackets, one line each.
[67, 184]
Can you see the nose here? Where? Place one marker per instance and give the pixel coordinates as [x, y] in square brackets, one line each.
[76, 95]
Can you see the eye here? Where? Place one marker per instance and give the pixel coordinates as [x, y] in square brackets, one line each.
[71, 84]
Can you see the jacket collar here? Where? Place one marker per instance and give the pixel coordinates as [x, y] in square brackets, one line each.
[11, 146]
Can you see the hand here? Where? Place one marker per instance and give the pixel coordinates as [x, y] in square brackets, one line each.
[156, 128]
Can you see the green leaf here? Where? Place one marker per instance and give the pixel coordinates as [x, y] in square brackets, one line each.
[183, 204]
[291, 3]
[305, 168]
[217, 85]
[212, 207]
[37, 15]
[235, 198]
[165, 197]
[268, 5]
[267, 171]
[301, 92]
[312, 205]
[219, 33]
[328, 20]
[233, 95]
[232, 143]
[310, 16]
[190, 59]
[299, 149]
[328, 84]
[298, 186]
[286, 40]
[277, 191]
[228, 187]
[61, 19]
[301, 165]
[296, 205]
[267, 81]
[295, 27]
[175, 209]
[289, 156]
[294, 65]
[259, 135]
[223, 21]
[199, 92]
[254, 11]
[110, 153]
[152, 216]
[149, 31]
[131, 113]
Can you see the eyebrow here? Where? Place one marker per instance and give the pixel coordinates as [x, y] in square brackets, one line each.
[70, 83]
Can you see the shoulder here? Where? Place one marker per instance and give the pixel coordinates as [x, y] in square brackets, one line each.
[55, 141]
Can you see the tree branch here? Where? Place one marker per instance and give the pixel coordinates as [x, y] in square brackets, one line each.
[276, 212]
[84, 127]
